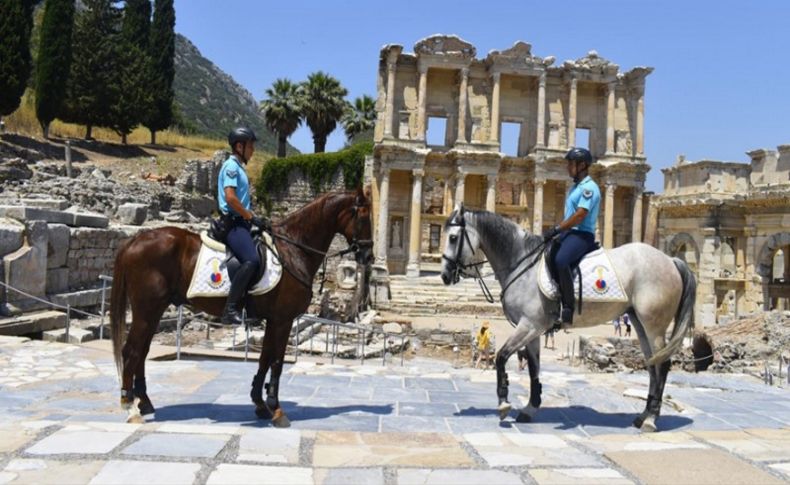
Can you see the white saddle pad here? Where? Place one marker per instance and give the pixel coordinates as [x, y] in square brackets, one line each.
[599, 279]
[210, 277]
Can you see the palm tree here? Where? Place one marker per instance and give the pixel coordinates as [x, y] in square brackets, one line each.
[281, 111]
[360, 117]
[323, 105]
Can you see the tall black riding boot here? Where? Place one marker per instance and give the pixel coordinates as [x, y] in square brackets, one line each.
[565, 276]
[238, 290]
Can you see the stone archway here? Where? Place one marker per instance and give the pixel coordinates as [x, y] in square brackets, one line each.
[683, 246]
[779, 289]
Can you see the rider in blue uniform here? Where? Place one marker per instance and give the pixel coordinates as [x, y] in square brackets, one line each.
[577, 230]
[234, 203]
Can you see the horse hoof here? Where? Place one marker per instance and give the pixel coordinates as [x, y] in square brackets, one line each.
[280, 420]
[504, 410]
[146, 408]
[638, 422]
[126, 404]
[263, 412]
[523, 418]
[135, 419]
[649, 426]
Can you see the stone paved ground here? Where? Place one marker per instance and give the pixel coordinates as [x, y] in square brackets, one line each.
[423, 423]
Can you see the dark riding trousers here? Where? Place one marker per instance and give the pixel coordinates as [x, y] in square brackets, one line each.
[239, 240]
[574, 244]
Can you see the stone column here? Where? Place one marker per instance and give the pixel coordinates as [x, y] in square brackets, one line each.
[390, 106]
[572, 114]
[383, 225]
[462, 102]
[495, 108]
[541, 111]
[460, 180]
[636, 219]
[523, 203]
[740, 257]
[415, 224]
[537, 207]
[448, 197]
[491, 193]
[608, 235]
[640, 121]
[422, 99]
[610, 117]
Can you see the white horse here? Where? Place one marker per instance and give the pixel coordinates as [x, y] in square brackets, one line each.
[659, 288]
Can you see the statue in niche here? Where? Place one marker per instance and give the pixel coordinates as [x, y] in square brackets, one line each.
[396, 235]
[623, 138]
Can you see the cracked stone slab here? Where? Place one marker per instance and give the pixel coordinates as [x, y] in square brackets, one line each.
[263, 475]
[117, 472]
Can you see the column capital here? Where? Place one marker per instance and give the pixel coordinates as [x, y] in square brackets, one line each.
[542, 79]
[491, 178]
[464, 71]
[418, 172]
[391, 64]
[496, 76]
[638, 191]
[384, 171]
[422, 68]
[610, 185]
[539, 181]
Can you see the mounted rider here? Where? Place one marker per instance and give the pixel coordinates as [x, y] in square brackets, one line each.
[237, 217]
[577, 230]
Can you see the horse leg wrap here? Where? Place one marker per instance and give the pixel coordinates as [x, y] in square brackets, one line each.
[502, 386]
[140, 387]
[271, 396]
[535, 390]
[256, 393]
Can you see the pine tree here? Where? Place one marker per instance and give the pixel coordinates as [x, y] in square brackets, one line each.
[54, 60]
[91, 87]
[134, 68]
[162, 50]
[16, 23]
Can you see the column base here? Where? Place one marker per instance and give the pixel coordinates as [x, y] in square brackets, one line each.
[380, 285]
[413, 270]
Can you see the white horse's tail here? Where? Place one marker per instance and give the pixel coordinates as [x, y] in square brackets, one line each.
[684, 318]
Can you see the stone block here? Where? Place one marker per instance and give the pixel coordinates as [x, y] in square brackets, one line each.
[75, 335]
[57, 280]
[87, 219]
[80, 299]
[56, 204]
[132, 214]
[11, 235]
[32, 323]
[23, 213]
[26, 268]
[57, 245]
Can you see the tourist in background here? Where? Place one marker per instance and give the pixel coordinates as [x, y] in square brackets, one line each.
[618, 331]
[483, 342]
[627, 323]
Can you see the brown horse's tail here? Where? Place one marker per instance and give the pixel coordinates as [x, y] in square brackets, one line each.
[118, 308]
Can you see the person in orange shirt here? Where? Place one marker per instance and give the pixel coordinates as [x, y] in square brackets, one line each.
[483, 342]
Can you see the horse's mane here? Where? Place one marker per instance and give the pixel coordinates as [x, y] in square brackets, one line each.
[308, 214]
[506, 233]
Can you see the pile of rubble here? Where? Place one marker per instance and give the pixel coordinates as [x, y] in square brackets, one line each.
[746, 345]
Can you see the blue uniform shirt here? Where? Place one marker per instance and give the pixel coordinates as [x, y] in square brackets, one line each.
[232, 174]
[586, 195]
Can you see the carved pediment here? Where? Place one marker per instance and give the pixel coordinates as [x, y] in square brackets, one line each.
[520, 55]
[440, 44]
[594, 63]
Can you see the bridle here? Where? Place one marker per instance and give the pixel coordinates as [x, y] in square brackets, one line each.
[356, 246]
[459, 269]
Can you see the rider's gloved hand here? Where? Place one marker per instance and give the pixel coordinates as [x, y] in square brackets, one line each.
[262, 223]
[551, 233]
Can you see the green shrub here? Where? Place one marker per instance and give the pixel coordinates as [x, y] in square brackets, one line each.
[318, 168]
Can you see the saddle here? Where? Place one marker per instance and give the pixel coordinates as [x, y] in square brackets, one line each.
[231, 262]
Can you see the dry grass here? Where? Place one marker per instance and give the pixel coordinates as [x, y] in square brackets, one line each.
[23, 121]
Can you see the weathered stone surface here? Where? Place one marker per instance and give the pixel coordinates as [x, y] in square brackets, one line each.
[79, 299]
[57, 280]
[134, 214]
[11, 235]
[56, 204]
[14, 169]
[57, 245]
[32, 322]
[23, 213]
[26, 268]
[86, 219]
[75, 335]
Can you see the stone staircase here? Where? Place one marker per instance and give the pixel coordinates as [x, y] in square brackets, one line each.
[428, 296]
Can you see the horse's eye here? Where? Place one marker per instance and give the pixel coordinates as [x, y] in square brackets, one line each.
[453, 238]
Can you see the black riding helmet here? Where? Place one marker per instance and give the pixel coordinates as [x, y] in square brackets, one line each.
[241, 134]
[579, 155]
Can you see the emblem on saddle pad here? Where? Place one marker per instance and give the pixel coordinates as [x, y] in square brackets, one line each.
[215, 279]
[600, 285]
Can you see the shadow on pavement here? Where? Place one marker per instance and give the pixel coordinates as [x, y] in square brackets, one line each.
[245, 413]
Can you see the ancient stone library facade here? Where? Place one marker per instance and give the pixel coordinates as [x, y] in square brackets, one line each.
[731, 223]
[442, 116]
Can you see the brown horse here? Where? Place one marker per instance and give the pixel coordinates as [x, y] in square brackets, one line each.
[154, 268]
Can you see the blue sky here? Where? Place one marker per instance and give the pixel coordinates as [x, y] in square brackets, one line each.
[719, 89]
